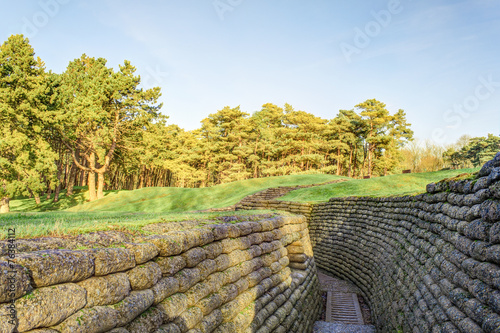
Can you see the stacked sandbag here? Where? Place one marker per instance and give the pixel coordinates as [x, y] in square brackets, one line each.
[425, 263]
[232, 277]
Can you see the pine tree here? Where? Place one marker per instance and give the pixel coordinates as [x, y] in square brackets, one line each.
[103, 110]
[384, 134]
[25, 97]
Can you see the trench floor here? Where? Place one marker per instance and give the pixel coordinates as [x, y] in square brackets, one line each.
[344, 310]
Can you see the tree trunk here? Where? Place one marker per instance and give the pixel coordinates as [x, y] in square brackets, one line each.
[77, 177]
[84, 175]
[37, 198]
[4, 205]
[66, 167]
[363, 165]
[91, 182]
[301, 160]
[149, 177]
[113, 180]
[92, 191]
[83, 178]
[370, 151]
[338, 161]
[49, 192]
[73, 175]
[350, 163]
[369, 161]
[355, 165]
[168, 179]
[56, 193]
[71, 179]
[141, 177]
[161, 182]
[57, 189]
[100, 185]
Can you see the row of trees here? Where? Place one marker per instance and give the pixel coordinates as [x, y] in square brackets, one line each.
[466, 152]
[96, 126]
[473, 152]
[54, 125]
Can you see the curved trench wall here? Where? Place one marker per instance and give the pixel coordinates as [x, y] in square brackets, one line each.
[254, 276]
[425, 263]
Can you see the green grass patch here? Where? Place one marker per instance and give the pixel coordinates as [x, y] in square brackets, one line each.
[38, 224]
[131, 210]
[173, 199]
[24, 204]
[402, 184]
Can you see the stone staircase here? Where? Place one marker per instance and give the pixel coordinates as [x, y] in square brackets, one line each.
[265, 199]
[269, 194]
[276, 192]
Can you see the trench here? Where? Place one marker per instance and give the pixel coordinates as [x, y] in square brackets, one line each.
[423, 263]
[344, 309]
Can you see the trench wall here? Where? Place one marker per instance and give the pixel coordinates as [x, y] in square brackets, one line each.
[425, 263]
[256, 276]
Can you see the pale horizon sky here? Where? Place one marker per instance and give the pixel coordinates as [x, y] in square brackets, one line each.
[437, 60]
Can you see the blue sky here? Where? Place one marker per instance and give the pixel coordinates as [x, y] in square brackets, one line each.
[437, 60]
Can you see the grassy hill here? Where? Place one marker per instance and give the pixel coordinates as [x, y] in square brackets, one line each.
[131, 210]
[161, 199]
[402, 184]
[167, 199]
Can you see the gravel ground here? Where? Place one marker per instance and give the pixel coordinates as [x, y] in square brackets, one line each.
[330, 283]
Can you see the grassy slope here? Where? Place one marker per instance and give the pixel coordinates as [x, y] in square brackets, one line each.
[130, 210]
[402, 184]
[168, 199]
[160, 199]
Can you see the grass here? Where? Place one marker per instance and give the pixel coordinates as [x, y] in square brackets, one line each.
[131, 210]
[168, 199]
[24, 204]
[402, 184]
[31, 225]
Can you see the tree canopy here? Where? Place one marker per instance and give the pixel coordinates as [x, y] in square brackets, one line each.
[95, 126]
[473, 151]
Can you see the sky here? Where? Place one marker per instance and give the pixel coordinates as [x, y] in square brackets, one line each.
[438, 60]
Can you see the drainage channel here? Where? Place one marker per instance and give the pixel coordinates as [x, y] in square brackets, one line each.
[343, 308]
[343, 312]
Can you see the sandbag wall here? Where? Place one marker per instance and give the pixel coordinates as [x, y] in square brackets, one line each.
[425, 263]
[242, 277]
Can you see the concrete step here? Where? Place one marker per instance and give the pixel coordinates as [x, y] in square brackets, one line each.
[326, 327]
